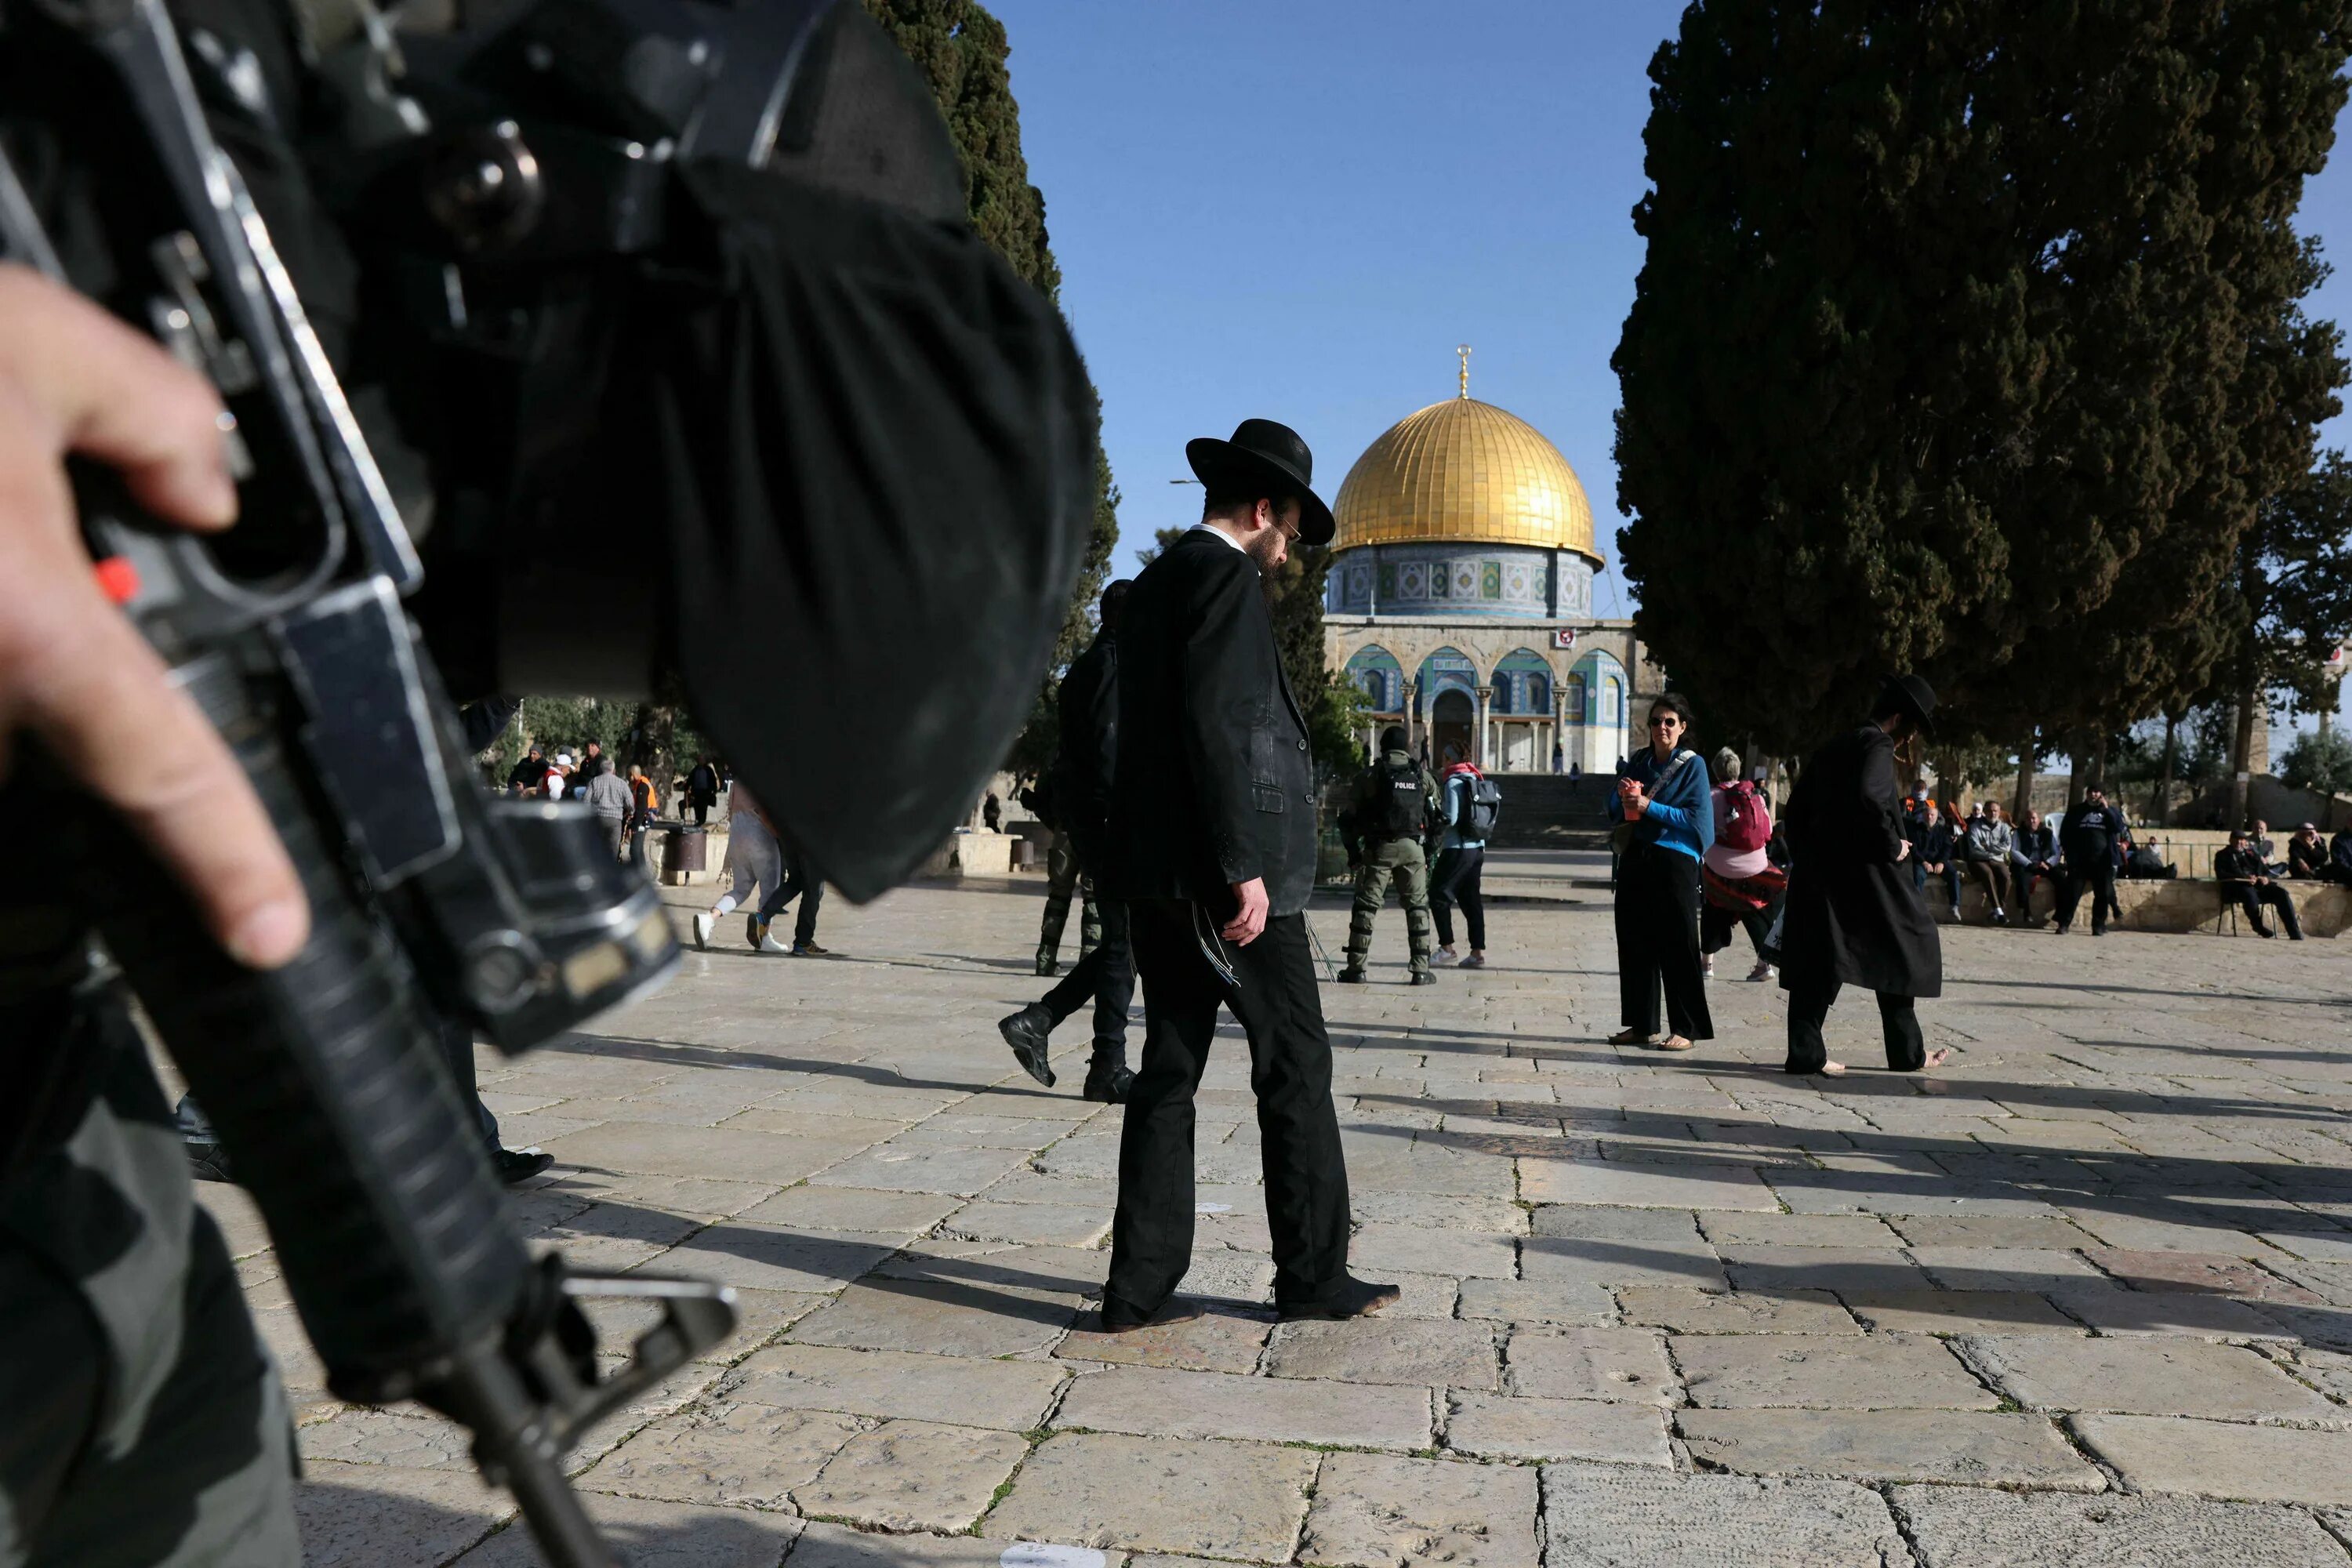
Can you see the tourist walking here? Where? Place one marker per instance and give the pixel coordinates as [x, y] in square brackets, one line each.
[701, 791]
[1742, 887]
[610, 803]
[1212, 846]
[2087, 838]
[1666, 823]
[797, 884]
[755, 857]
[1087, 707]
[1383, 827]
[1853, 917]
[1986, 852]
[1473, 804]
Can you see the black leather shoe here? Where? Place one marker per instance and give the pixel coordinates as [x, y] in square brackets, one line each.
[516, 1166]
[1354, 1298]
[1108, 1082]
[208, 1161]
[1118, 1318]
[1026, 1032]
[1351, 975]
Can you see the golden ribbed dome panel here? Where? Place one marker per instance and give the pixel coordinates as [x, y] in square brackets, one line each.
[1462, 469]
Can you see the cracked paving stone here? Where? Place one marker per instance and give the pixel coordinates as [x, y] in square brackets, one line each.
[1882, 1372]
[740, 1455]
[913, 1475]
[1375, 1510]
[1383, 1349]
[348, 1513]
[1155, 1401]
[1223, 1337]
[1710, 1312]
[1159, 1494]
[1536, 1302]
[1965, 1528]
[652, 1534]
[1626, 1365]
[1613, 1516]
[2146, 1378]
[1962, 1447]
[1011, 1396]
[1521, 1427]
[2223, 1460]
[940, 1317]
[1961, 1311]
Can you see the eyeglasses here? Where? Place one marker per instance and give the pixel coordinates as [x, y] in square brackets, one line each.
[1665, 720]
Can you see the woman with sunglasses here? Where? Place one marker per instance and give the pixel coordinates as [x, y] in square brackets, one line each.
[1665, 814]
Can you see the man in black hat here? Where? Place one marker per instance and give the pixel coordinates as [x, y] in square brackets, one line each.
[1213, 842]
[1852, 916]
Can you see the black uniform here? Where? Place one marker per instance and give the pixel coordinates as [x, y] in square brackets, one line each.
[2236, 869]
[1214, 788]
[2087, 838]
[1853, 916]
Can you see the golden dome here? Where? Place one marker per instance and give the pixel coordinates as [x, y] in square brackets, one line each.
[1462, 469]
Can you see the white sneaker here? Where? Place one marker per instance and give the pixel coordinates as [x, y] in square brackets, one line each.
[1707, 965]
[703, 926]
[1761, 972]
[1446, 953]
[768, 943]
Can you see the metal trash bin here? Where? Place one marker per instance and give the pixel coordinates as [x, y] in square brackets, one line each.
[685, 850]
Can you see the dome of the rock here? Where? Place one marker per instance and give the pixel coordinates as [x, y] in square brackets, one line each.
[1462, 470]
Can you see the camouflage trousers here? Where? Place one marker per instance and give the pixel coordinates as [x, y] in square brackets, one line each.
[1400, 860]
[1064, 878]
[145, 1426]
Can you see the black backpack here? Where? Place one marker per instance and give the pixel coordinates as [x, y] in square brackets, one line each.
[1402, 810]
[1482, 805]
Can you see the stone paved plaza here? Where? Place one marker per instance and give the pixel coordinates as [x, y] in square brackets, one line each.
[2084, 1297]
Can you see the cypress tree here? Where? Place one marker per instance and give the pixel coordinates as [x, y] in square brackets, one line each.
[1964, 341]
[961, 47]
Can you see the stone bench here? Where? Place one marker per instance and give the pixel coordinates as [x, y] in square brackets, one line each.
[2180, 904]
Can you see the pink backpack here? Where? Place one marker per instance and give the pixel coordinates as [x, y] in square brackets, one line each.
[1748, 822]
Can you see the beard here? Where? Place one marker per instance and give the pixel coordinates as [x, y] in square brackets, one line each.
[1265, 548]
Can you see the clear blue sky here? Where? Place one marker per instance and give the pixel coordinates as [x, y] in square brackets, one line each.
[1296, 208]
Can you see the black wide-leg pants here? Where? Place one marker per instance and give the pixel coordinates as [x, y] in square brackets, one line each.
[1808, 1009]
[1657, 943]
[1280, 1009]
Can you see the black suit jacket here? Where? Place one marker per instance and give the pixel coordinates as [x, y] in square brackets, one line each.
[1087, 708]
[1851, 915]
[1214, 783]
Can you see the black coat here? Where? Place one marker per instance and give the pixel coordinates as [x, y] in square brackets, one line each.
[1853, 915]
[1087, 708]
[2089, 835]
[1214, 784]
[702, 785]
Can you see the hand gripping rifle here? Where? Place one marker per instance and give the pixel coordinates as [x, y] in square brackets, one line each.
[430, 899]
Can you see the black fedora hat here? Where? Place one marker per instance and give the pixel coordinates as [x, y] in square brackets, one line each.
[1909, 694]
[1263, 453]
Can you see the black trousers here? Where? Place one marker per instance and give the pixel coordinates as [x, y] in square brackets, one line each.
[702, 814]
[2251, 899]
[1276, 998]
[796, 882]
[1456, 881]
[1106, 976]
[1809, 1008]
[2100, 878]
[1657, 943]
[457, 1051]
[1716, 923]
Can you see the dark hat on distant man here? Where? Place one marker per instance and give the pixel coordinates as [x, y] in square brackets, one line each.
[1264, 459]
[1908, 694]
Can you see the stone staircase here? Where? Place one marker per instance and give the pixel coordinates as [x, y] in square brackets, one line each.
[1550, 811]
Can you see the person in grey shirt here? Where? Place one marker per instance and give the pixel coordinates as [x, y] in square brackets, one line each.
[1986, 855]
[610, 799]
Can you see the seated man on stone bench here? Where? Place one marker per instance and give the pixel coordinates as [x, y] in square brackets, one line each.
[2246, 879]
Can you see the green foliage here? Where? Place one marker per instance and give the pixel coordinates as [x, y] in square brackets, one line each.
[1966, 341]
[2320, 760]
[962, 50]
[2295, 587]
[662, 738]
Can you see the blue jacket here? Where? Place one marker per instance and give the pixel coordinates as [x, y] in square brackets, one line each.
[1682, 818]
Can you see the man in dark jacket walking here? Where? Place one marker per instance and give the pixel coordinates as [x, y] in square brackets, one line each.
[1213, 829]
[701, 789]
[1087, 706]
[2088, 837]
[1853, 917]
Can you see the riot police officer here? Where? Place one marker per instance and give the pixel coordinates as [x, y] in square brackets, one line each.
[1385, 825]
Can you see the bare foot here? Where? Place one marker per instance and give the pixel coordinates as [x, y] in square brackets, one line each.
[1673, 1043]
[1834, 1069]
[1631, 1038]
[1937, 1057]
